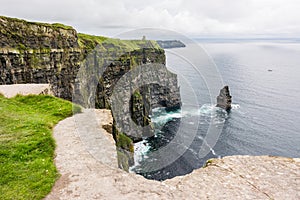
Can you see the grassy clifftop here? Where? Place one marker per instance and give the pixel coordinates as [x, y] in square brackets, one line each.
[21, 21]
[86, 41]
[24, 35]
[26, 145]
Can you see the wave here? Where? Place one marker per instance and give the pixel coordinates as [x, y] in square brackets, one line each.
[235, 106]
[140, 153]
[209, 111]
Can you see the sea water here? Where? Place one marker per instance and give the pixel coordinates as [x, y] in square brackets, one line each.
[264, 80]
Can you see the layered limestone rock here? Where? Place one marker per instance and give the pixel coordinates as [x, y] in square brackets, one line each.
[224, 99]
[39, 53]
[54, 53]
[22, 35]
[84, 68]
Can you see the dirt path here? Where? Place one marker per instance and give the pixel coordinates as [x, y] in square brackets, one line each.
[86, 159]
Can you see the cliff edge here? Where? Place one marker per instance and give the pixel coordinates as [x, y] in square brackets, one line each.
[86, 176]
[85, 69]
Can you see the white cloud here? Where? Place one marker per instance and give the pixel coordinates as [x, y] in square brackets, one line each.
[191, 17]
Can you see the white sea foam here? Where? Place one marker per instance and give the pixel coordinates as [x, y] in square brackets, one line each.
[140, 153]
[235, 106]
[209, 112]
[161, 116]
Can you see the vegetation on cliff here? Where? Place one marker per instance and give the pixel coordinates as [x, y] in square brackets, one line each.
[125, 142]
[122, 141]
[23, 35]
[89, 42]
[33, 52]
[26, 144]
[54, 25]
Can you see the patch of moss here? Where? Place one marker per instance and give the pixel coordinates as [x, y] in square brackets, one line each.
[45, 50]
[62, 26]
[22, 47]
[89, 42]
[76, 109]
[137, 95]
[208, 163]
[54, 26]
[124, 142]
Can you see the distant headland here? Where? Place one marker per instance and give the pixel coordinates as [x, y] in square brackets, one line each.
[168, 44]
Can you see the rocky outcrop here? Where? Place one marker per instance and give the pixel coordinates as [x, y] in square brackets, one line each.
[224, 99]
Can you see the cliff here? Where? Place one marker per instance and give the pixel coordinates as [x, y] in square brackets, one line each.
[39, 53]
[169, 44]
[84, 68]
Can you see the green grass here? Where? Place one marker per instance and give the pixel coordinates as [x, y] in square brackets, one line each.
[208, 163]
[125, 142]
[62, 26]
[137, 95]
[55, 26]
[27, 170]
[89, 42]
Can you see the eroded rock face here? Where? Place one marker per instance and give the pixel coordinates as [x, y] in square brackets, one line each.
[51, 53]
[20, 34]
[39, 53]
[224, 99]
[55, 54]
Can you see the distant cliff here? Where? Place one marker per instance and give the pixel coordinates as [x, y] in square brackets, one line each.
[33, 52]
[168, 44]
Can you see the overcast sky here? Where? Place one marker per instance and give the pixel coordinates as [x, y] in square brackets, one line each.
[196, 18]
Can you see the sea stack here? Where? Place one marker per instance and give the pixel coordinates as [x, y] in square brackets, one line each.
[224, 99]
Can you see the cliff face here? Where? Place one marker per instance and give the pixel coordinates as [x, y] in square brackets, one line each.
[56, 54]
[53, 53]
[20, 34]
[39, 53]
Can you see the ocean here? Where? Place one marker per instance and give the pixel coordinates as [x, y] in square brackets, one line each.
[264, 81]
